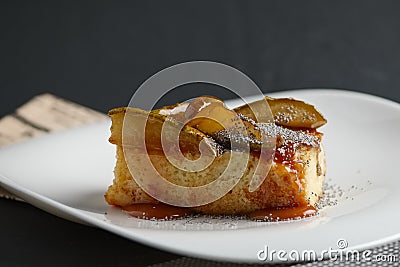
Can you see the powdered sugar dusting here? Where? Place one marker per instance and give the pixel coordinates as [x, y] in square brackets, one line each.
[269, 131]
[289, 135]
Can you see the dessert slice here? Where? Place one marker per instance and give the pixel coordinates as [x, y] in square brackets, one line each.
[297, 164]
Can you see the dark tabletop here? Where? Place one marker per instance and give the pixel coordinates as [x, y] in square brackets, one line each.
[97, 53]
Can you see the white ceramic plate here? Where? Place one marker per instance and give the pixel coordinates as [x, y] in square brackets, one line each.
[67, 173]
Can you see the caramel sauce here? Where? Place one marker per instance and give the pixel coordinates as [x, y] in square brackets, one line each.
[285, 154]
[156, 211]
[285, 213]
[167, 212]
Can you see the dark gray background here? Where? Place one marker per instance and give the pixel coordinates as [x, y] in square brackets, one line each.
[96, 53]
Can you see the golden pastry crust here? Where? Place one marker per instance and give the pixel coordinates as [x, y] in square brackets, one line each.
[296, 183]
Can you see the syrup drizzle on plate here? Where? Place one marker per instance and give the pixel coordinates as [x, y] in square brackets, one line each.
[167, 212]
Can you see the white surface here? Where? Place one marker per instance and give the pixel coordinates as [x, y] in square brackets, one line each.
[67, 174]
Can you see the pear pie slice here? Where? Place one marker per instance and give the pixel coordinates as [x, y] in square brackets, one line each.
[297, 165]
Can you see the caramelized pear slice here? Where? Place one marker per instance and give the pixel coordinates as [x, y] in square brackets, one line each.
[136, 120]
[289, 112]
[211, 117]
[176, 111]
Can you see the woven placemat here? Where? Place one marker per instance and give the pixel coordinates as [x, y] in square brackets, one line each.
[387, 255]
[41, 115]
[47, 113]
